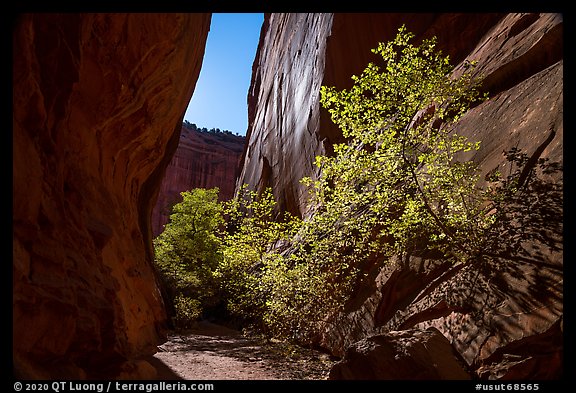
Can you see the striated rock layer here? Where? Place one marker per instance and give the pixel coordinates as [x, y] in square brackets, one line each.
[502, 316]
[203, 160]
[98, 103]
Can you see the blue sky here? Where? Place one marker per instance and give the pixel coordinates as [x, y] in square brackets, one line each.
[219, 100]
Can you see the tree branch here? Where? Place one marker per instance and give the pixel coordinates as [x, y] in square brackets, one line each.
[427, 206]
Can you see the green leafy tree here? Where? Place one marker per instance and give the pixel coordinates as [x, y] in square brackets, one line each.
[188, 252]
[401, 167]
[397, 187]
[253, 231]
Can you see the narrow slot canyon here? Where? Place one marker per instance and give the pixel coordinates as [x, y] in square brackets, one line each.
[101, 152]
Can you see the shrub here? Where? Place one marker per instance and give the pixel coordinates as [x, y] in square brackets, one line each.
[253, 231]
[187, 311]
[188, 251]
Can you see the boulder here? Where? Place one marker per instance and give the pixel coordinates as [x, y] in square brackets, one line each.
[401, 355]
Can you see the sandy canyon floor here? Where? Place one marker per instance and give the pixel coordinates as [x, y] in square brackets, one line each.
[214, 352]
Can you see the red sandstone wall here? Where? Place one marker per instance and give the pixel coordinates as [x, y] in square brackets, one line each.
[98, 102]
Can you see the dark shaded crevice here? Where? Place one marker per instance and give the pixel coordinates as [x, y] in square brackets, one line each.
[402, 288]
[439, 310]
[523, 23]
[288, 203]
[366, 284]
[533, 160]
[265, 178]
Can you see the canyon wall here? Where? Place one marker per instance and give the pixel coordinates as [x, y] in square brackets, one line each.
[202, 160]
[503, 316]
[283, 113]
[98, 101]
[297, 54]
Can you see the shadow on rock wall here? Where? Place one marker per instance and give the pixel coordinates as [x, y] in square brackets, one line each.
[503, 311]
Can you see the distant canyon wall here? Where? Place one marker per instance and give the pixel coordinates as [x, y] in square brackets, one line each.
[98, 103]
[202, 160]
[498, 316]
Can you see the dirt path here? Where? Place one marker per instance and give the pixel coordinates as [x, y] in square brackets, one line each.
[213, 352]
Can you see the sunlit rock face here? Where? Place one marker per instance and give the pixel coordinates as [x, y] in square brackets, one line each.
[297, 54]
[204, 160]
[503, 315]
[283, 113]
[98, 102]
